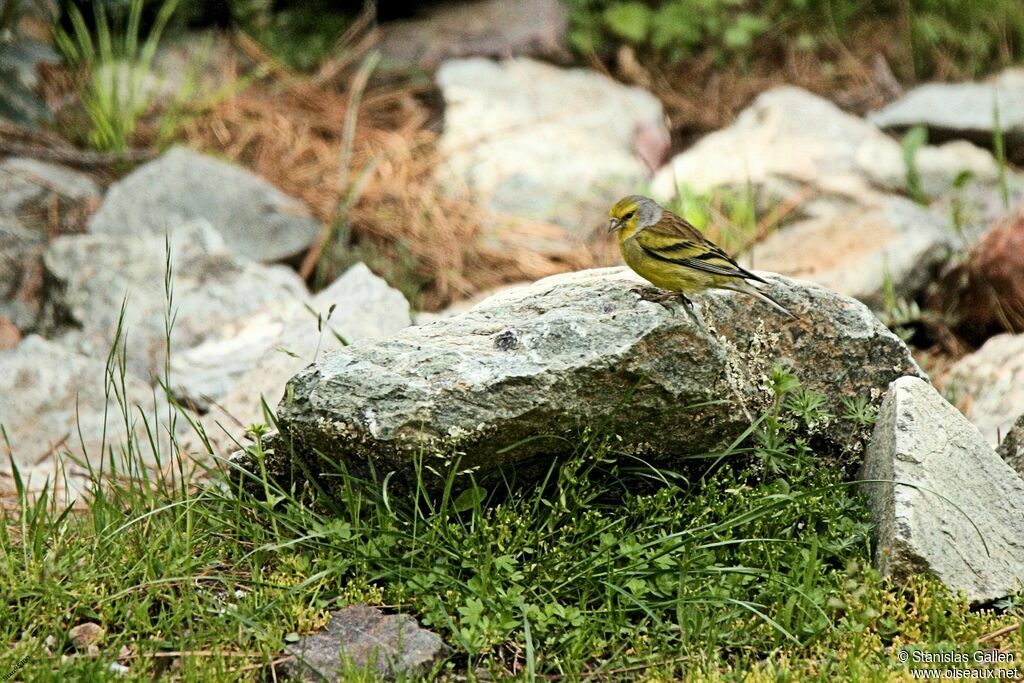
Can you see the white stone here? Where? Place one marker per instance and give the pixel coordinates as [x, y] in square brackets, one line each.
[529, 139]
[989, 384]
[943, 502]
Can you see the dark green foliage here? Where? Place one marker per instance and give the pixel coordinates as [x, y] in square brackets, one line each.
[970, 37]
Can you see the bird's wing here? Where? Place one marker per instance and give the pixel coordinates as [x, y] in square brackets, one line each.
[674, 240]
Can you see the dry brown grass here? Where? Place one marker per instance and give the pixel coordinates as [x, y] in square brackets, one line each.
[290, 129]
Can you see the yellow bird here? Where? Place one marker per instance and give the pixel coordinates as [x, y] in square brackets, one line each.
[665, 249]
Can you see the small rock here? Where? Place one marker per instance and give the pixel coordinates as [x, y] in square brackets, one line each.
[33, 191]
[488, 28]
[962, 110]
[86, 637]
[18, 79]
[560, 355]
[954, 510]
[10, 335]
[90, 275]
[531, 140]
[52, 400]
[256, 220]
[362, 638]
[21, 272]
[118, 669]
[982, 294]
[989, 384]
[1012, 447]
[37, 201]
[855, 250]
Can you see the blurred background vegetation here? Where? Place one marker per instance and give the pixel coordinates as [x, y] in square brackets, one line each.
[924, 38]
[280, 109]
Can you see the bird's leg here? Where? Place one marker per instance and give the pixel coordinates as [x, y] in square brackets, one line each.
[663, 298]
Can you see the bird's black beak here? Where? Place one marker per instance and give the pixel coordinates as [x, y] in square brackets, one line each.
[614, 224]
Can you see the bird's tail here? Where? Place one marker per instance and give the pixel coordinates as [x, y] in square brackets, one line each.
[747, 288]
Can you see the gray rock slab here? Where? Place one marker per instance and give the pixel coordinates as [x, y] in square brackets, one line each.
[253, 360]
[790, 140]
[528, 139]
[961, 110]
[989, 385]
[360, 638]
[1011, 449]
[489, 28]
[562, 355]
[53, 402]
[90, 275]
[854, 250]
[947, 505]
[256, 220]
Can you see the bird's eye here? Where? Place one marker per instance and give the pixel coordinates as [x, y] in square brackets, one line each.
[629, 215]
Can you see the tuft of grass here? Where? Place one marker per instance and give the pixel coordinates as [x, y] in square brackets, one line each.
[912, 142]
[999, 147]
[116, 68]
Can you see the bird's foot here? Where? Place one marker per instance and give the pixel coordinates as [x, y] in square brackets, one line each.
[663, 298]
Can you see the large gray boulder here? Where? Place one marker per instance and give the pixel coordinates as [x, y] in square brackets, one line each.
[256, 220]
[525, 372]
[90, 275]
[943, 502]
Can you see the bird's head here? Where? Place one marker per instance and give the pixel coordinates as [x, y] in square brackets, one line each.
[633, 213]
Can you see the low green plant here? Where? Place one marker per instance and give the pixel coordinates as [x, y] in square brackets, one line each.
[912, 143]
[900, 315]
[301, 35]
[972, 37]
[116, 67]
[999, 147]
[729, 216]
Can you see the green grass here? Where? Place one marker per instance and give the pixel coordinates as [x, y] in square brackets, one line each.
[751, 562]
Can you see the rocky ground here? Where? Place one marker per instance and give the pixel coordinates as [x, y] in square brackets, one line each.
[185, 282]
